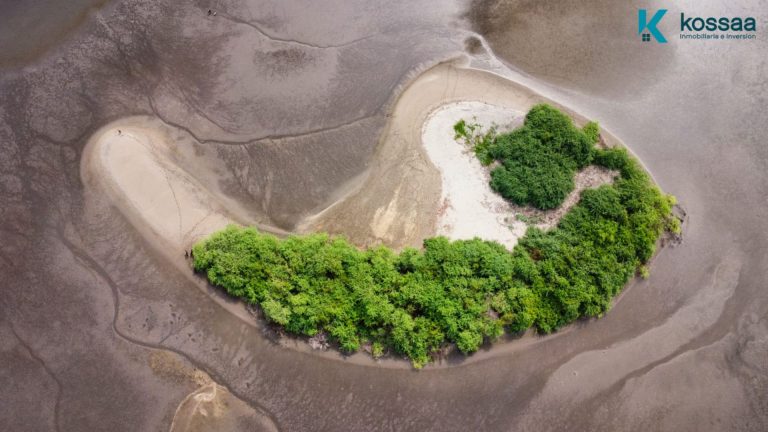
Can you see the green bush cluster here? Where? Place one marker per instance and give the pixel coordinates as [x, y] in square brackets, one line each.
[473, 135]
[538, 160]
[463, 292]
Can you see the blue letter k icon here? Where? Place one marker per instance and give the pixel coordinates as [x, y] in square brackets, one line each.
[643, 24]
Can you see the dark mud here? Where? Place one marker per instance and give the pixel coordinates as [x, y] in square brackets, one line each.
[294, 100]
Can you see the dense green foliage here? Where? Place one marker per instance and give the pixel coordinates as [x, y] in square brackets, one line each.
[538, 160]
[462, 292]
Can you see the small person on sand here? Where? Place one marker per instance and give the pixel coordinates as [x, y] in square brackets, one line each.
[186, 254]
[119, 132]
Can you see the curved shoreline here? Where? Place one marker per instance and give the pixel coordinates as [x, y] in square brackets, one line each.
[402, 185]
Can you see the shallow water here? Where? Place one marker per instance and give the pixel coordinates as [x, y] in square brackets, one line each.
[294, 101]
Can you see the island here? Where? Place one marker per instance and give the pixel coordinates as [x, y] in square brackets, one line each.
[416, 301]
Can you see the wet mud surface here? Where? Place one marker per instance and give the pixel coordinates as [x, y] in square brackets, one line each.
[100, 331]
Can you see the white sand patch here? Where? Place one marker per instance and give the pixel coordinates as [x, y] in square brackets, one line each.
[470, 208]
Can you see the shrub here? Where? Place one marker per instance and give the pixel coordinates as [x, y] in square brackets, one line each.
[539, 159]
[543, 185]
[556, 131]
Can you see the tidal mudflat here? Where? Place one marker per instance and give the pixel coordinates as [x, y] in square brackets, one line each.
[282, 117]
